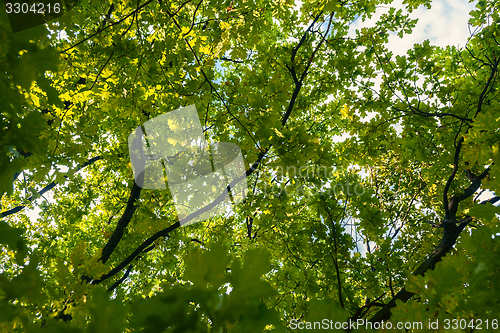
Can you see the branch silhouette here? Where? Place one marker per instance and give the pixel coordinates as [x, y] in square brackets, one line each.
[45, 189]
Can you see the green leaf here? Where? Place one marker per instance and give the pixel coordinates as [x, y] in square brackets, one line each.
[486, 213]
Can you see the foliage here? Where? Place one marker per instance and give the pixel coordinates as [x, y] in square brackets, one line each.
[281, 80]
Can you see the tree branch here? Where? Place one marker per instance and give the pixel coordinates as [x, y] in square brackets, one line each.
[210, 82]
[323, 38]
[125, 276]
[102, 68]
[334, 257]
[303, 39]
[192, 21]
[491, 200]
[138, 250]
[122, 223]
[487, 86]
[450, 180]
[219, 199]
[469, 191]
[231, 60]
[45, 189]
[451, 231]
[108, 26]
[291, 69]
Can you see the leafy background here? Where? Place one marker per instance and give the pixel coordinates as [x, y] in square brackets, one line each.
[281, 80]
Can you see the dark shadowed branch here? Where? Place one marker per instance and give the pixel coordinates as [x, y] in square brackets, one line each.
[122, 223]
[451, 230]
[450, 179]
[123, 278]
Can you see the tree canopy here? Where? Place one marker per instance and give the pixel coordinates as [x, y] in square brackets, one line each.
[383, 226]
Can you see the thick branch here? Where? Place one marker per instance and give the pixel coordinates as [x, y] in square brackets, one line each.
[450, 180]
[138, 250]
[166, 231]
[295, 93]
[469, 191]
[476, 183]
[334, 257]
[122, 223]
[451, 231]
[249, 226]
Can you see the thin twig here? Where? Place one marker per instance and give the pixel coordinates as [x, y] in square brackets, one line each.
[108, 26]
[102, 68]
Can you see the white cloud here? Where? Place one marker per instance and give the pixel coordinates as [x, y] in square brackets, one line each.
[444, 24]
